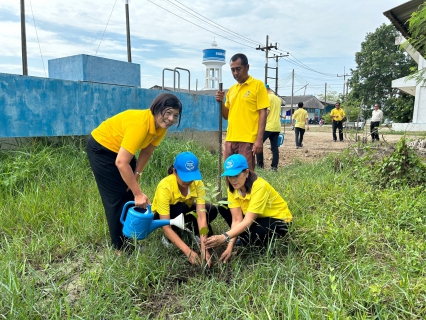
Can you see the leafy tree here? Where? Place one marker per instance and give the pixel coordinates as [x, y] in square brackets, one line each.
[417, 29]
[331, 96]
[378, 63]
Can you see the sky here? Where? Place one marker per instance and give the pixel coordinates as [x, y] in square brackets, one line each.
[320, 38]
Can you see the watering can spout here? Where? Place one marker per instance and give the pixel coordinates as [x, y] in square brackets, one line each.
[179, 222]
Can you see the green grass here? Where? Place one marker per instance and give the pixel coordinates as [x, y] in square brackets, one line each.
[353, 251]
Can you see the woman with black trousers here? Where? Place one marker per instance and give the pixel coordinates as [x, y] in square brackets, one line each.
[111, 150]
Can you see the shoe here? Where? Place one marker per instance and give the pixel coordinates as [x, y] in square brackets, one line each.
[342, 140]
[166, 242]
[274, 169]
[334, 140]
[301, 145]
[297, 147]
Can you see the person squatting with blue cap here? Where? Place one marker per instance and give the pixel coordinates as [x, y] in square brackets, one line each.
[256, 214]
[182, 191]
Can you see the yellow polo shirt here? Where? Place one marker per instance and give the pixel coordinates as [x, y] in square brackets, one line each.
[273, 122]
[168, 193]
[131, 129]
[339, 113]
[263, 200]
[300, 115]
[244, 102]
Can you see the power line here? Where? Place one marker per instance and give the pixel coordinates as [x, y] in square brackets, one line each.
[212, 23]
[105, 28]
[35, 27]
[198, 25]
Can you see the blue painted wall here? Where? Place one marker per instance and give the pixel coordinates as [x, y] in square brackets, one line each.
[38, 107]
[83, 67]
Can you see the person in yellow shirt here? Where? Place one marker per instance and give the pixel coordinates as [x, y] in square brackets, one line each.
[111, 150]
[257, 213]
[272, 129]
[300, 122]
[337, 115]
[245, 109]
[182, 191]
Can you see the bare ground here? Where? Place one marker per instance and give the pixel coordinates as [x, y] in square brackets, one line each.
[318, 142]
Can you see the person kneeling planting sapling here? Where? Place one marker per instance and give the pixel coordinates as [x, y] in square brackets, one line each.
[257, 213]
[182, 191]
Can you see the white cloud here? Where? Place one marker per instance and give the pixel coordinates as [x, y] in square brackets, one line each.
[323, 34]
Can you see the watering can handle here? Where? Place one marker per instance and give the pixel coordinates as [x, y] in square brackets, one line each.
[126, 207]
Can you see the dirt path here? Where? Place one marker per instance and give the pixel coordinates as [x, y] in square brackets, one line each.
[317, 143]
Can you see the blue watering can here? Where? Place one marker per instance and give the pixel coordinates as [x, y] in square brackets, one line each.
[139, 222]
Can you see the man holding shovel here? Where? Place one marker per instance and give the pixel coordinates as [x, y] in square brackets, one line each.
[245, 110]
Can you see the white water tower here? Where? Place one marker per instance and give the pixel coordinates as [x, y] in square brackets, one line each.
[213, 59]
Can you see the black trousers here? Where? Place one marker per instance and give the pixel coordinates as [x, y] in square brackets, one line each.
[112, 188]
[337, 125]
[299, 132]
[273, 138]
[261, 232]
[190, 220]
[373, 130]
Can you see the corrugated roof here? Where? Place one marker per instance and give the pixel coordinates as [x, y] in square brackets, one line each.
[308, 101]
[400, 14]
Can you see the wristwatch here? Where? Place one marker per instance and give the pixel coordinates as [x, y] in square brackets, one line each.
[227, 238]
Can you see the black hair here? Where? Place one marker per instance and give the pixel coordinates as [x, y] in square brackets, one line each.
[248, 184]
[242, 56]
[300, 104]
[166, 101]
[170, 170]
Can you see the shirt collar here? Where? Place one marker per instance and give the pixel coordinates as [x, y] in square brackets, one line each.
[248, 81]
[152, 130]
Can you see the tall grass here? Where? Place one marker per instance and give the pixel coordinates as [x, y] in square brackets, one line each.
[354, 251]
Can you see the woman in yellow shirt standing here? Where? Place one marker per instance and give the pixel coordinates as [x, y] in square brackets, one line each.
[182, 191]
[257, 213]
[111, 150]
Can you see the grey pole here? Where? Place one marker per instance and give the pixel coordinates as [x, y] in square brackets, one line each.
[23, 40]
[219, 170]
[129, 51]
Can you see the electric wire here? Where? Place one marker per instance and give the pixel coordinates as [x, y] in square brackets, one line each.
[199, 25]
[212, 23]
[35, 27]
[233, 34]
[105, 28]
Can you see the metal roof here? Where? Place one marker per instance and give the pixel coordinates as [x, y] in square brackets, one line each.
[400, 14]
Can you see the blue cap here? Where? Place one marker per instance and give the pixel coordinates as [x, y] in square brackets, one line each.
[234, 165]
[186, 165]
[266, 86]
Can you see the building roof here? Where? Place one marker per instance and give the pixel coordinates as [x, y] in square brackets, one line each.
[309, 102]
[400, 14]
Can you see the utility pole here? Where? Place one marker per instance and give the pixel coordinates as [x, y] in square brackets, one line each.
[344, 75]
[276, 57]
[129, 53]
[23, 40]
[305, 86]
[325, 95]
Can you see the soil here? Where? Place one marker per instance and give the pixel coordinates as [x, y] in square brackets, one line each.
[318, 142]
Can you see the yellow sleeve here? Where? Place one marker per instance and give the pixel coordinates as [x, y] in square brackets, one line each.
[201, 192]
[258, 199]
[163, 197]
[233, 203]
